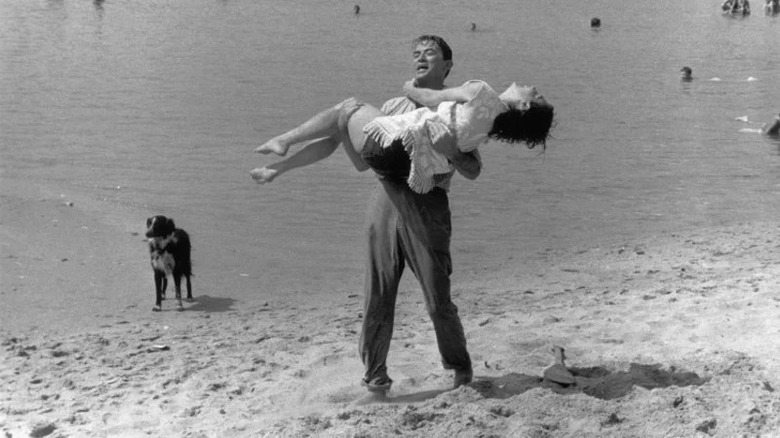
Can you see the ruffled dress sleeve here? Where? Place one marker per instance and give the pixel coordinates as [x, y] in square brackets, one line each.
[474, 119]
[417, 130]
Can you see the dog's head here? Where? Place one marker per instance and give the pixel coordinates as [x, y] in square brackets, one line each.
[159, 226]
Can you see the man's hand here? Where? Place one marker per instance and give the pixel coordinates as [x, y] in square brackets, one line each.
[447, 146]
[467, 164]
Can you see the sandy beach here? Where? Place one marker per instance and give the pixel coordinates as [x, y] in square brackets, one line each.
[644, 239]
[674, 336]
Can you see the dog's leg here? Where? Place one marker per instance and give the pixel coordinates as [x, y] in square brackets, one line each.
[159, 279]
[164, 285]
[189, 289]
[177, 285]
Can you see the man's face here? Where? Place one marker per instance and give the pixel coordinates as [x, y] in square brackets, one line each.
[429, 65]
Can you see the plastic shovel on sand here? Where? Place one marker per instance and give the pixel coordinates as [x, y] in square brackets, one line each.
[557, 372]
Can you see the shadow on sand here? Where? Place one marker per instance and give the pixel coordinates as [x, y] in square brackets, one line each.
[205, 303]
[400, 399]
[596, 382]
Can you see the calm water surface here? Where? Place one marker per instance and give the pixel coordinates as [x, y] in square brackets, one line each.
[156, 106]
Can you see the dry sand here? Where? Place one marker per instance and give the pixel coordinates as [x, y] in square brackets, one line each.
[675, 336]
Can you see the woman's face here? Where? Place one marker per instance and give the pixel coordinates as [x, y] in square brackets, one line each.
[522, 97]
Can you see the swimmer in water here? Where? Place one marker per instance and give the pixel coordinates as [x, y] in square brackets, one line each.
[736, 7]
[357, 9]
[740, 7]
[686, 74]
[771, 129]
[772, 7]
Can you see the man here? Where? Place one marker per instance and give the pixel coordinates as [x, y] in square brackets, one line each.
[405, 227]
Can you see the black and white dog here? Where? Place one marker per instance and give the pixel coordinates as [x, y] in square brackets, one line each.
[169, 248]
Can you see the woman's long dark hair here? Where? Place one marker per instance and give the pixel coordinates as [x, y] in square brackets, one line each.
[531, 125]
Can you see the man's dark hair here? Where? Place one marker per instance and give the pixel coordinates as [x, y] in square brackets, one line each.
[531, 125]
[446, 51]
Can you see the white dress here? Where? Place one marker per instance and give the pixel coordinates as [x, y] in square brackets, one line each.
[469, 122]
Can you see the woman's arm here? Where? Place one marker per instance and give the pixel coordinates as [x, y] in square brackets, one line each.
[432, 98]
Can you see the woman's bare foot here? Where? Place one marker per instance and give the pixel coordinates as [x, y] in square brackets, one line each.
[272, 146]
[263, 175]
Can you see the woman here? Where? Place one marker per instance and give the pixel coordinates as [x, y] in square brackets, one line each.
[467, 115]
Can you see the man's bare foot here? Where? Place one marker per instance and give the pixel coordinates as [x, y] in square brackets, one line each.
[263, 175]
[272, 146]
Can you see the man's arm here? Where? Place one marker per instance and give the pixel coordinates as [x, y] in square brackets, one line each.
[432, 98]
[468, 164]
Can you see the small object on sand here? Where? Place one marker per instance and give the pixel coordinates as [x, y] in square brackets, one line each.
[41, 430]
[557, 372]
[158, 347]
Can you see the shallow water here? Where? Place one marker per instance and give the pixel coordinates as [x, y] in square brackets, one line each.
[157, 106]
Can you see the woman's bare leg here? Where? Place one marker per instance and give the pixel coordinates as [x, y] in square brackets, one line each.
[354, 136]
[324, 124]
[309, 154]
